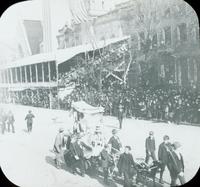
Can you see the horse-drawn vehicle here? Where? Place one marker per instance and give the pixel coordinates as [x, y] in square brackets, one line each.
[143, 175]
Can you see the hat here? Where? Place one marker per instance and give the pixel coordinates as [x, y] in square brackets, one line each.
[61, 129]
[166, 137]
[129, 147]
[114, 131]
[176, 145]
[151, 133]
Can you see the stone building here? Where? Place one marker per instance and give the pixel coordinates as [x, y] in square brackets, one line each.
[165, 37]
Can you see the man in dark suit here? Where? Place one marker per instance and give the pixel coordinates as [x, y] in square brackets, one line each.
[150, 147]
[115, 142]
[163, 152]
[176, 165]
[126, 165]
[76, 149]
[120, 114]
[29, 117]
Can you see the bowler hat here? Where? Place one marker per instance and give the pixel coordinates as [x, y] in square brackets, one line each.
[129, 147]
[151, 133]
[114, 131]
[61, 129]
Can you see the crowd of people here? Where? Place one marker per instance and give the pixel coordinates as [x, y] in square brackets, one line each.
[90, 150]
[170, 104]
[165, 102]
[34, 98]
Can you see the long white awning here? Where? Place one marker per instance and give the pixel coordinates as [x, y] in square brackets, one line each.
[83, 107]
[61, 55]
[34, 59]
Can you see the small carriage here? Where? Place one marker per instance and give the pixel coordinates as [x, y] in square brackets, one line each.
[144, 175]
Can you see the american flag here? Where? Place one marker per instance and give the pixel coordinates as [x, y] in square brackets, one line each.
[80, 15]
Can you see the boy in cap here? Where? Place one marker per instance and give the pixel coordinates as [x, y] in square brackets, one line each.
[176, 165]
[163, 152]
[58, 144]
[29, 118]
[150, 147]
[105, 162]
[126, 165]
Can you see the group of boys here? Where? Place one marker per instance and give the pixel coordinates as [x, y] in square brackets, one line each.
[7, 119]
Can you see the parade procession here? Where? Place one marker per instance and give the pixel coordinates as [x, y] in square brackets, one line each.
[99, 93]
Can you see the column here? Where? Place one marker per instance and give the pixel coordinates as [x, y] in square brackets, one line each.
[36, 73]
[11, 76]
[49, 71]
[30, 72]
[26, 79]
[5, 77]
[20, 70]
[16, 77]
[2, 76]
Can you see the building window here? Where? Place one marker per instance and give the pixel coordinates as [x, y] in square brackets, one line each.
[141, 40]
[154, 40]
[167, 31]
[46, 72]
[40, 74]
[167, 13]
[113, 36]
[182, 29]
[141, 18]
[33, 72]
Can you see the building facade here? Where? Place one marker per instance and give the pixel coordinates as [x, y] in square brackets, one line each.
[165, 33]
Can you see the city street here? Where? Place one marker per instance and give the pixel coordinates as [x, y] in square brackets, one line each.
[27, 160]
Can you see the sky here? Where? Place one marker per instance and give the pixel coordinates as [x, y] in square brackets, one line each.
[15, 13]
[10, 19]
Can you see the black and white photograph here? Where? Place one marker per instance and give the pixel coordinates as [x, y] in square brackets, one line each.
[102, 93]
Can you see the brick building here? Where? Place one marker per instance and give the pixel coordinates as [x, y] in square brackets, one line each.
[164, 34]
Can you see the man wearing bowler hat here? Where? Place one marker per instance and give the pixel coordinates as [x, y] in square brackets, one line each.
[163, 152]
[76, 149]
[150, 147]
